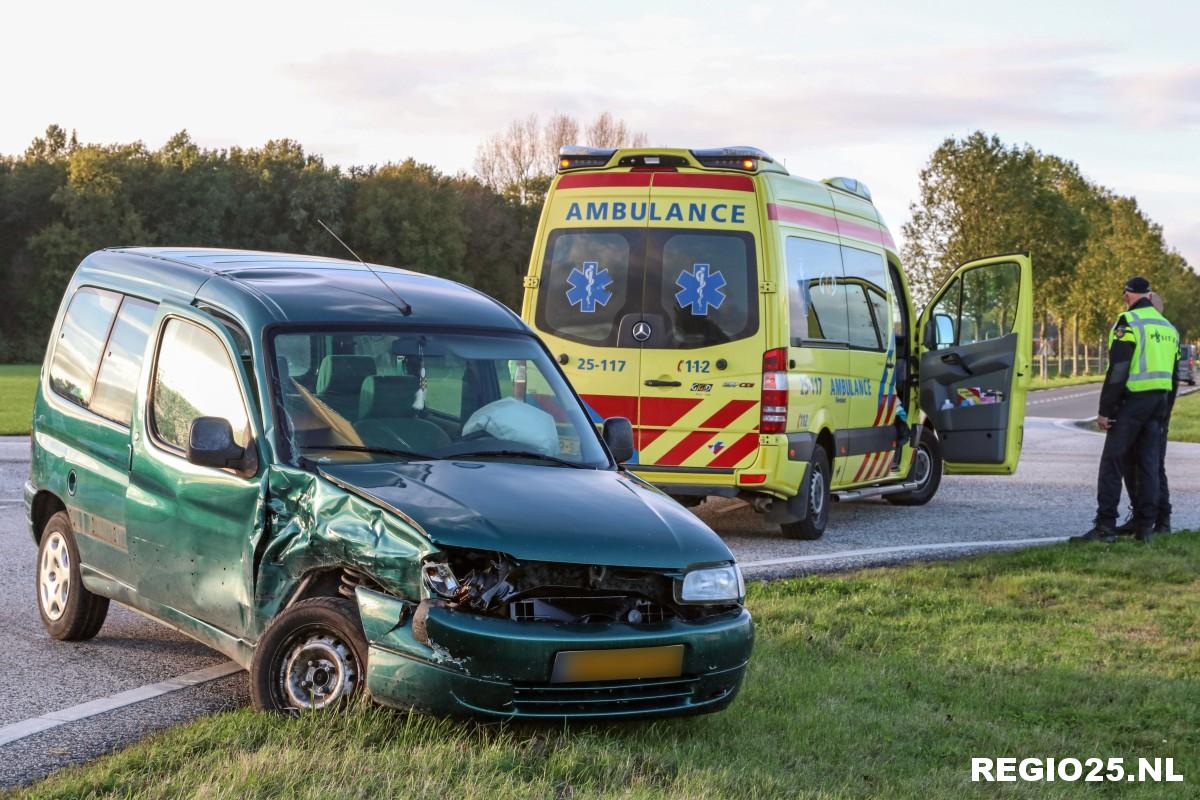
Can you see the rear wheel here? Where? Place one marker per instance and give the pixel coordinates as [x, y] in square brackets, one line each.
[926, 472]
[312, 657]
[68, 610]
[816, 501]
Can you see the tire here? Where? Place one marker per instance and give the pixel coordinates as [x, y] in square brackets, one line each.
[313, 656]
[927, 464]
[68, 610]
[817, 502]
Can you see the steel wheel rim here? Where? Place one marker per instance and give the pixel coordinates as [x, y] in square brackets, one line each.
[923, 467]
[54, 576]
[816, 494]
[318, 670]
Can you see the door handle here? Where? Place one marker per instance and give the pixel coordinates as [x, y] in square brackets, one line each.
[657, 382]
[956, 360]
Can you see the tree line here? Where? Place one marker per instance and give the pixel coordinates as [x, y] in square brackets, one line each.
[62, 199]
[979, 196]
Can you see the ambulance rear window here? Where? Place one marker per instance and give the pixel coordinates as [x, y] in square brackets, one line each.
[588, 279]
[705, 285]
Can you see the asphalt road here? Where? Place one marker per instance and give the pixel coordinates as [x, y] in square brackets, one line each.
[1051, 495]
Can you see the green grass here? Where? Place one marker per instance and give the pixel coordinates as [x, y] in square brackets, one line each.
[881, 683]
[1185, 419]
[18, 384]
[1066, 380]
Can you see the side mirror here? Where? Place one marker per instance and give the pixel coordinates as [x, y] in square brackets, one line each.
[210, 444]
[943, 331]
[618, 435]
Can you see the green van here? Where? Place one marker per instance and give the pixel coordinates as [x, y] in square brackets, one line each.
[360, 480]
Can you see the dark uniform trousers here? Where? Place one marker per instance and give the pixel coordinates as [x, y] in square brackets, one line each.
[1129, 470]
[1133, 442]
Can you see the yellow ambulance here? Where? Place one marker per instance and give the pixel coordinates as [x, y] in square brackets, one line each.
[758, 331]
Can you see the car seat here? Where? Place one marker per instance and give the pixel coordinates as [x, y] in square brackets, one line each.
[386, 417]
[340, 380]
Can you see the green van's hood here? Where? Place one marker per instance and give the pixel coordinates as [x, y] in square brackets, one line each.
[541, 513]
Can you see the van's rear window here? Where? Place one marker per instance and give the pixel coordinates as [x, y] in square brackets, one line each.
[695, 288]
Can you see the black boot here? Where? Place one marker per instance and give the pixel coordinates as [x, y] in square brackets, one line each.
[1163, 525]
[1126, 527]
[1099, 533]
[1143, 533]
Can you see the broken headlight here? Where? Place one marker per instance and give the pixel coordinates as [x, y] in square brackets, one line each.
[439, 579]
[713, 585]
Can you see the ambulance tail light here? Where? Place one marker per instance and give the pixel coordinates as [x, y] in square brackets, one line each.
[774, 392]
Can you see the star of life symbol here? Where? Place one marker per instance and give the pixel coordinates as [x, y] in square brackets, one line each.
[701, 288]
[589, 287]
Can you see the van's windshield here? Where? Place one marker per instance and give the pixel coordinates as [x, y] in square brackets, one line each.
[413, 396]
[697, 287]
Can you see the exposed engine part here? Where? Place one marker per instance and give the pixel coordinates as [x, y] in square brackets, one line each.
[494, 584]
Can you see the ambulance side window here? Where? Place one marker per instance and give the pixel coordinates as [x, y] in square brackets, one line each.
[588, 280]
[816, 291]
[865, 304]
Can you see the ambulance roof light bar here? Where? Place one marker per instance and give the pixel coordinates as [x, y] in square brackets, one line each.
[749, 159]
[574, 156]
[851, 185]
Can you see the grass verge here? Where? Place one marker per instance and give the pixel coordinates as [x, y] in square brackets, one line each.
[881, 683]
[1185, 419]
[18, 384]
[1066, 380]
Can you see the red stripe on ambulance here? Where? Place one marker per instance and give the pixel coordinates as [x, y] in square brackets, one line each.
[730, 456]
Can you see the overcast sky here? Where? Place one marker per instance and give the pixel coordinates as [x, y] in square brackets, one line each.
[865, 89]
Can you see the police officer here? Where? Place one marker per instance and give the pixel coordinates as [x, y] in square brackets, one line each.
[1142, 350]
[1162, 523]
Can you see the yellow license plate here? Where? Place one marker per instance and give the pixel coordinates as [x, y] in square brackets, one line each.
[629, 663]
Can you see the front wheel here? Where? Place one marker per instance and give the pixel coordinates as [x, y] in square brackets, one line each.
[926, 472]
[816, 501]
[312, 657]
[68, 610]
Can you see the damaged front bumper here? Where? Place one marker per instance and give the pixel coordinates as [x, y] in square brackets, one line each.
[480, 665]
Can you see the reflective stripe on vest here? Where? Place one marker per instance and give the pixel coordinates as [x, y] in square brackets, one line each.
[1156, 344]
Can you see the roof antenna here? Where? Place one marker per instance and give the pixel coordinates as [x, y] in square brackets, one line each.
[402, 304]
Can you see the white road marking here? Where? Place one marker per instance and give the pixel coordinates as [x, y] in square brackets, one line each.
[878, 551]
[35, 725]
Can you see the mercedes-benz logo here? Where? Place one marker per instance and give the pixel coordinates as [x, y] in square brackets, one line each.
[641, 331]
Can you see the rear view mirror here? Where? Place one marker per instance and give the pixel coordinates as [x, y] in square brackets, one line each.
[618, 435]
[211, 444]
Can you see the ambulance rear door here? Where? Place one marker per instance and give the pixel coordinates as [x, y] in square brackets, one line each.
[589, 288]
[701, 328]
[976, 356]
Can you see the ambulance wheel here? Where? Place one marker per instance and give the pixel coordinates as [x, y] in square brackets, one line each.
[926, 471]
[68, 610]
[816, 503]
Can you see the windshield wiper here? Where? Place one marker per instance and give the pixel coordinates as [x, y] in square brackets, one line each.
[387, 451]
[521, 454]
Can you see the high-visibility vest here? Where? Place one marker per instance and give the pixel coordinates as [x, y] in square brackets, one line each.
[1155, 348]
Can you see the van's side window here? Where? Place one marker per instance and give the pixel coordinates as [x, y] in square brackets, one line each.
[194, 378]
[816, 291]
[80, 342]
[121, 366]
[866, 305]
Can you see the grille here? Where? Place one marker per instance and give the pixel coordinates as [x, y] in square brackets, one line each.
[588, 608]
[602, 698]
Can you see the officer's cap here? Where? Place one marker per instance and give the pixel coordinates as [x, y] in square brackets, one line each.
[1138, 285]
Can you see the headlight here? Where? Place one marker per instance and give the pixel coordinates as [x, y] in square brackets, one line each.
[439, 579]
[714, 585]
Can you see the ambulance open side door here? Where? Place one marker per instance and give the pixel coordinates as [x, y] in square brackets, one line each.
[976, 354]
